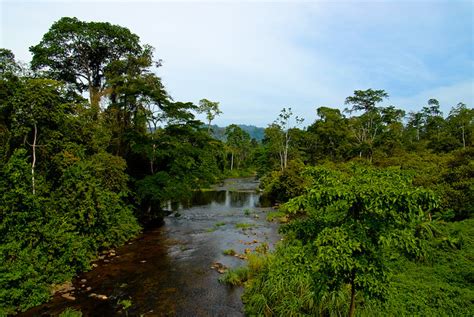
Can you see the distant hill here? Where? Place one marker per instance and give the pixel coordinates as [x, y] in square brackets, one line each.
[256, 133]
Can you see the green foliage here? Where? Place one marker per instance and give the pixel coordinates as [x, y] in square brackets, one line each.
[285, 285]
[244, 226]
[39, 247]
[280, 186]
[458, 184]
[239, 173]
[80, 52]
[186, 158]
[92, 196]
[279, 215]
[328, 136]
[74, 178]
[211, 109]
[125, 303]
[351, 219]
[239, 146]
[49, 236]
[70, 312]
[441, 286]
[229, 252]
[235, 277]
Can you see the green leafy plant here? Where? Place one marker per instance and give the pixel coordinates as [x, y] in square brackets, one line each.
[244, 226]
[236, 276]
[70, 312]
[229, 252]
[278, 215]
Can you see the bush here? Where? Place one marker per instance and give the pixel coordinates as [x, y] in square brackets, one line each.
[280, 186]
[49, 236]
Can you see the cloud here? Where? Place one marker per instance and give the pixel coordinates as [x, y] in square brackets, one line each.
[448, 96]
[256, 58]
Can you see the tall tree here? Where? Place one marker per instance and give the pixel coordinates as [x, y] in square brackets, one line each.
[211, 109]
[79, 53]
[461, 121]
[391, 134]
[238, 142]
[284, 122]
[367, 126]
[331, 133]
[415, 121]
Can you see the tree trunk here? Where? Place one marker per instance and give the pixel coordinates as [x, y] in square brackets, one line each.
[231, 161]
[94, 96]
[33, 163]
[463, 138]
[285, 153]
[352, 308]
[281, 161]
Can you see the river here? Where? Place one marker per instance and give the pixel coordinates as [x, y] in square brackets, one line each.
[168, 271]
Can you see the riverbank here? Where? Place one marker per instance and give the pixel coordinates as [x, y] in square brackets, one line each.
[170, 271]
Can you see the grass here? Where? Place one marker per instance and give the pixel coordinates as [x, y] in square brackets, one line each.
[229, 252]
[125, 303]
[234, 277]
[244, 226]
[70, 312]
[278, 215]
[247, 212]
[440, 285]
[238, 276]
[216, 226]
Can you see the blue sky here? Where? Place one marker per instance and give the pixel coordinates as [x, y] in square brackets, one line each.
[257, 57]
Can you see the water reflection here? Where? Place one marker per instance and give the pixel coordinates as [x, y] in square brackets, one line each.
[166, 271]
[220, 198]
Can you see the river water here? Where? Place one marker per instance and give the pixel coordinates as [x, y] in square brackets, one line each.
[168, 271]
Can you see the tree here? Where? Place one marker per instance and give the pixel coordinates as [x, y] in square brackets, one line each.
[391, 134]
[37, 105]
[284, 124]
[350, 221]
[415, 121]
[211, 109]
[367, 126]
[331, 133]
[8, 65]
[238, 142]
[461, 121]
[79, 53]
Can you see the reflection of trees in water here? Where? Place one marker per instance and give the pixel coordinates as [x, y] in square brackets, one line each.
[241, 199]
[223, 198]
[265, 201]
[208, 197]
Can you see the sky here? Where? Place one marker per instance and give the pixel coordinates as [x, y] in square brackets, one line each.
[257, 57]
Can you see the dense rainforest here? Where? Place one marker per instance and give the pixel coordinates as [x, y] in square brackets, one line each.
[376, 202]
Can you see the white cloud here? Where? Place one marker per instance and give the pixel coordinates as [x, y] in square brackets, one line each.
[448, 96]
[256, 58]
